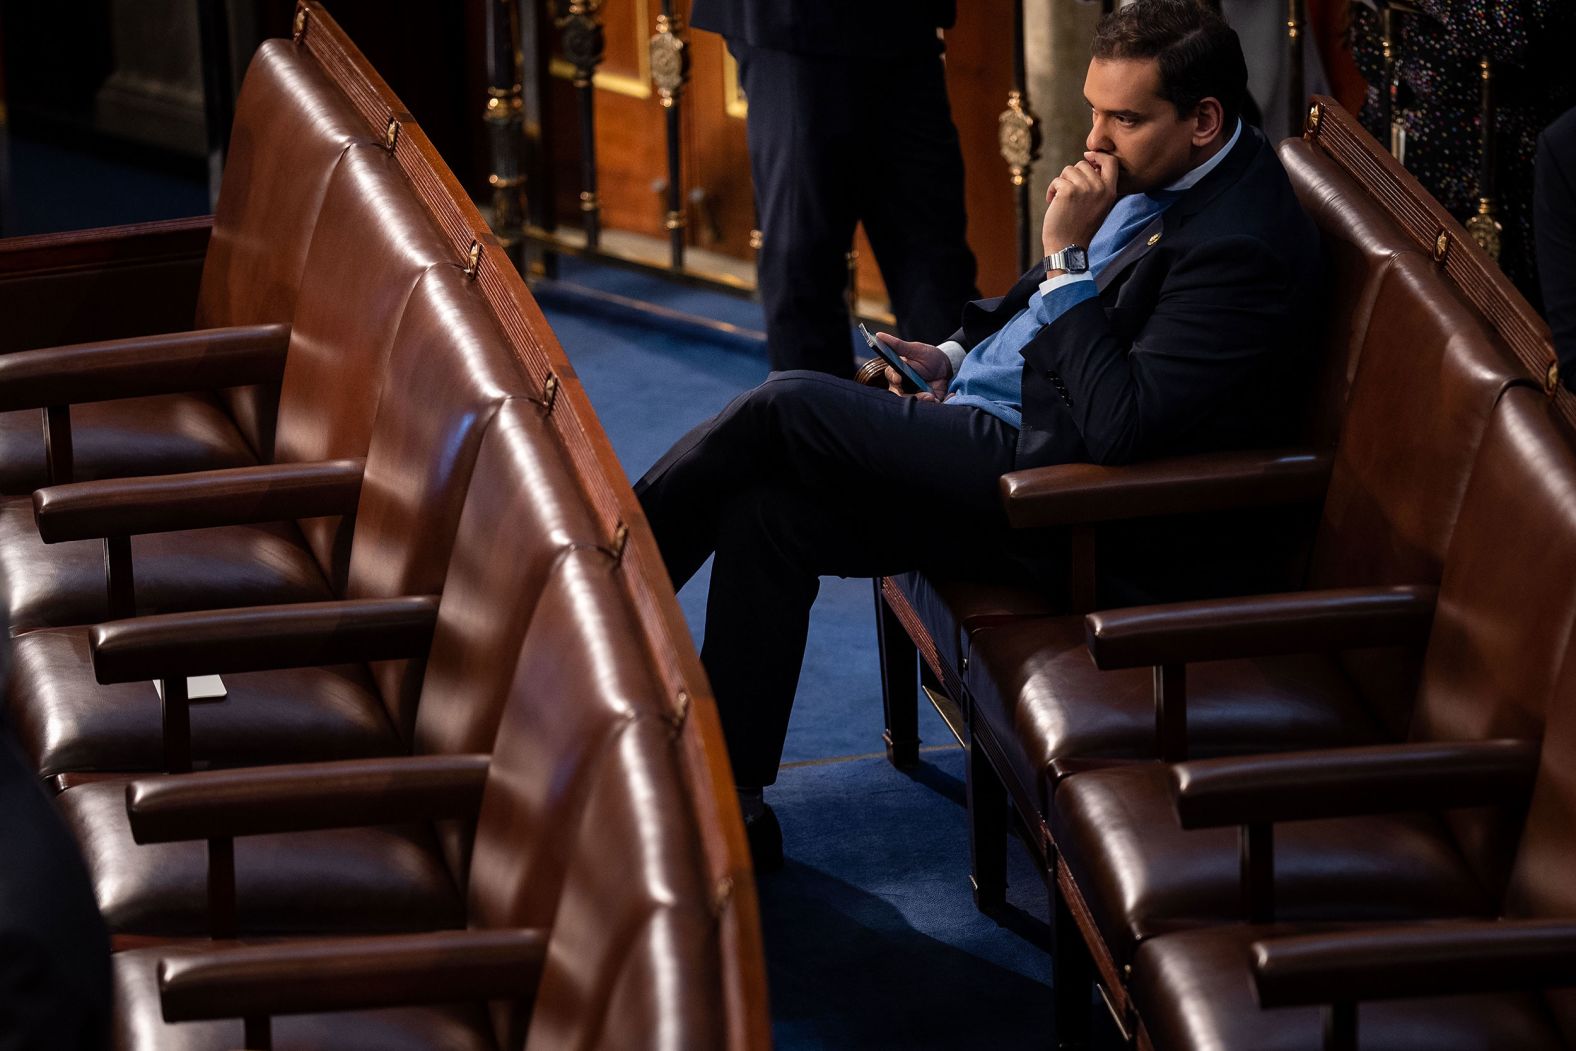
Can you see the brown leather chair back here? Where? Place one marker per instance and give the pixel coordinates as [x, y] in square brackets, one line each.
[291, 126]
[372, 244]
[522, 513]
[582, 676]
[1427, 380]
[1506, 619]
[582, 673]
[449, 371]
[1360, 244]
[634, 959]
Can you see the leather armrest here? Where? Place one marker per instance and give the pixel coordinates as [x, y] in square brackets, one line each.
[104, 246]
[1401, 962]
[1078, 494]
[165, 503]
[348, 974]
[140, 365]
[1336, 782]
[260, 638]
[302, 797]
[1260, 625]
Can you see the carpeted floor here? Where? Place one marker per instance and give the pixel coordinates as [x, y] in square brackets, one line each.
[872, 937]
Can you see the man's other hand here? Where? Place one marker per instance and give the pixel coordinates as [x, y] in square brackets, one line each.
[1077, 202]
[932, 365]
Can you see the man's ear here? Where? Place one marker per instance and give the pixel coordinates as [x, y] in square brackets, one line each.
[1208, 121]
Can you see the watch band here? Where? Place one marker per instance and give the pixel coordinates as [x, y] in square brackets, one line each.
[1074, 259]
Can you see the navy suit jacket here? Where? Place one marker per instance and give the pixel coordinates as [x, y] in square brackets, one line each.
[1197, 343]
[829, 27]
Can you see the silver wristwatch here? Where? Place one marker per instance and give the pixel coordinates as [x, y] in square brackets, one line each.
[1074, 259]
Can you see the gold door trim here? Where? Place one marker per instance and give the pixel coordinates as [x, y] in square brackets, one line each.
[733, 102]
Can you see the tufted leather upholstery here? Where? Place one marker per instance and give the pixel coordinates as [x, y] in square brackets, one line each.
[492, 529]
[291, 126]
[1192, 989]
[584, 767]
[372, 245]
[500, 581]
[610, 970]
[454, 372]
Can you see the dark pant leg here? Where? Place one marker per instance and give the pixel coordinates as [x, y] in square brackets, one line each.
[802, 477]
[911, 200]
[802, 146]
[819, 431]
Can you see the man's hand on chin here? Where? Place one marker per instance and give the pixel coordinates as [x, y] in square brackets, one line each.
[930, 363]
[1077, 202]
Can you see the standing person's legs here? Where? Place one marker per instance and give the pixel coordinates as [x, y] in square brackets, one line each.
[807, 476]
[803, 148]
[911, 201]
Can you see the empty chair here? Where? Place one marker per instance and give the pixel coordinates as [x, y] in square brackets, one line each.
[372, 244]
[454, 370]
[1196, 988]
[504, 585]
[291, 127]
[584, 738]
[1502, 630]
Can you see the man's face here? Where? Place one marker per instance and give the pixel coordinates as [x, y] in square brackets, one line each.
[1153, 146]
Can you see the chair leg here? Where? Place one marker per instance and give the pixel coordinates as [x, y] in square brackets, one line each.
[1072, 975]
[987, 804]
[899, 685]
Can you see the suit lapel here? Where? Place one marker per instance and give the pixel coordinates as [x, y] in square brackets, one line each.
[1141, 243]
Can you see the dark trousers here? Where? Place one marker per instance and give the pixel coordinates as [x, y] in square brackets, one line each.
[804, 476]
[835, 141]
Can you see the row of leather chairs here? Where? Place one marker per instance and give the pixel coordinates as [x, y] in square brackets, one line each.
[464, 784]
[1374, 723]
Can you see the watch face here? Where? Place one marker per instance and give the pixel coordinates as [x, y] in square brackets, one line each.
[1077, 259]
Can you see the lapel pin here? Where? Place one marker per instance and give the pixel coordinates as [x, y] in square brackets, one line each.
[1153, 238]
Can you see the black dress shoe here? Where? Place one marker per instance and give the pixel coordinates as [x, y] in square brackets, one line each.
[766, 841]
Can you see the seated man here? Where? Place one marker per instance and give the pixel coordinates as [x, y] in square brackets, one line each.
[1164, 320]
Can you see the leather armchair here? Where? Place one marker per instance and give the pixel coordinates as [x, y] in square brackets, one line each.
[241, 267]
[1171, 637]
[1396, 832]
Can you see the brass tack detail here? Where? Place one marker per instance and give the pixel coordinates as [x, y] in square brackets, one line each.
[681, 710]
[391, 135]
[298, 30]
[473, 260]
[722, 895]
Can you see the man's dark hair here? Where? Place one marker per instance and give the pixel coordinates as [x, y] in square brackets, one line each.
[1199, 54]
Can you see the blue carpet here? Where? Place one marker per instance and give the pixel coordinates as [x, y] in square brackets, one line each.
[872, 938]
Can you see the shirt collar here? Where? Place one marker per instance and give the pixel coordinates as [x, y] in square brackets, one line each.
[1192, 178]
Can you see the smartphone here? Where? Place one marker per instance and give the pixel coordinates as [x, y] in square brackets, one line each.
[913, 381]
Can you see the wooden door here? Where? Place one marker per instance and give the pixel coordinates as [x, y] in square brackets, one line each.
[719, 211]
